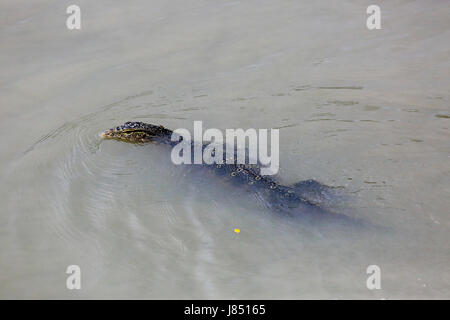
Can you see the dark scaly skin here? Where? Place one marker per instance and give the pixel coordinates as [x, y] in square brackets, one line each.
[278, 197]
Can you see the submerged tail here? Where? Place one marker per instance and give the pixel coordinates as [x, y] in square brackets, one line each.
[316, 203]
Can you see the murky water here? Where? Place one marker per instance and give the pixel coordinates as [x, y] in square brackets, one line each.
[365, 110]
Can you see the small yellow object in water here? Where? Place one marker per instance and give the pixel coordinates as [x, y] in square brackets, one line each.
[237, 230]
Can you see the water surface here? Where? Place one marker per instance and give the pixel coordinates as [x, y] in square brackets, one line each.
[365, 111]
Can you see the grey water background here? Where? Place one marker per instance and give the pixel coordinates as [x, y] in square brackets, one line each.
[367, 111]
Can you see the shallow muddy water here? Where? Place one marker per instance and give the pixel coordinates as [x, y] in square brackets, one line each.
[363, 110]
